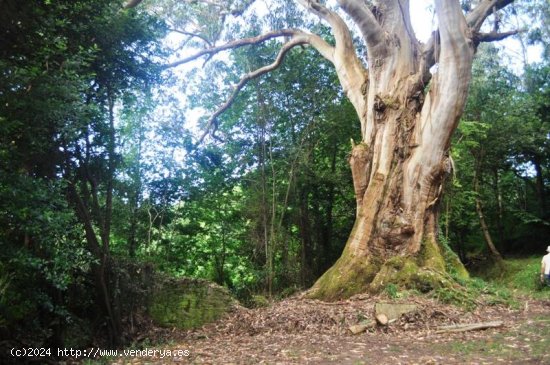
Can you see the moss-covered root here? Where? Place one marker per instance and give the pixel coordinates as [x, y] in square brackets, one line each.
[405, 273]
[435, 267]
[348, 276]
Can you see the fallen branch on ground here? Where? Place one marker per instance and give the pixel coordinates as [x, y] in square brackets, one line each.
[469, 327]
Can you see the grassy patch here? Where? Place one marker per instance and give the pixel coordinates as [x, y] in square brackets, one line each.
[520, 275]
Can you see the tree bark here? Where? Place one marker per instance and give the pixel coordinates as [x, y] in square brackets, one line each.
[305, 237]
[99, 268]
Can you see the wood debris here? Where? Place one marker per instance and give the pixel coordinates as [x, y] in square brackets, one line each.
[361, 327]
[469, 327]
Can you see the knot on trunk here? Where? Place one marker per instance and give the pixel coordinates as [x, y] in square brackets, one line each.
[395, 230]
[415, 101]
[439, 172]
[381, 103]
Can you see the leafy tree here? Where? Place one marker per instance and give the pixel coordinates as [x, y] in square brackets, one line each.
[65, 64]
[493, 177]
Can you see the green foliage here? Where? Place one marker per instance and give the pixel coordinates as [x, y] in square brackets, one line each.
[501, 144]
[64, 64]
[101, 183]
[521, 275]
[268, 205]
[392, 291]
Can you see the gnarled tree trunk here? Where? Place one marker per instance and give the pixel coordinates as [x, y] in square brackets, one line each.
[408, 116]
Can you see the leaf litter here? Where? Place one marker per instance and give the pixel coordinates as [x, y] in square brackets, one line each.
[298, 330]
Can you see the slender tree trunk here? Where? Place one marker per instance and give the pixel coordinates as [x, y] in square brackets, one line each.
[132, 244]
[270, 248]
[98, 269]
[305, 237]
[539, 186]
[500, 207]
[108, 210]
[325, 225]
[137, 196]
[86, 203]
[479, 209]
[447, 218]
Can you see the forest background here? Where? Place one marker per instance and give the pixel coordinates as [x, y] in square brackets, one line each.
[102, 182]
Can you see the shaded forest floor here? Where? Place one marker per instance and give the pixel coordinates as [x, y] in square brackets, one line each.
[303, 331]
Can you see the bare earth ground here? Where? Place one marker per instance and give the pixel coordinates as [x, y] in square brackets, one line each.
[303, 331]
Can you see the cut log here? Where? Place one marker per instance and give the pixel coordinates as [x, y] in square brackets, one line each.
[382, 319]
[393, 311]
[361, 327]
[469, 327]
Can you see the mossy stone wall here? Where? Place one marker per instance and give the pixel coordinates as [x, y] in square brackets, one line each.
[188, 303]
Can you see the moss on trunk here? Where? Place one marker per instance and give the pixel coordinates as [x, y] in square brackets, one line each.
[348, 276]
[435, 267]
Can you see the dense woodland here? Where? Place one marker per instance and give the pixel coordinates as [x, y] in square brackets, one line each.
[104, 182]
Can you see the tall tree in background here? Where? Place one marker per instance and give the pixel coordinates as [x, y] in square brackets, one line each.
[65, 65]
[407, 115]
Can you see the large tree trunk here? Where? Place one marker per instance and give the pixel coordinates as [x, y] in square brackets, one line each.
[401, 163]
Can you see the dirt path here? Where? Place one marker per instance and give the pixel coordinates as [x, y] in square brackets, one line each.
[301, 331]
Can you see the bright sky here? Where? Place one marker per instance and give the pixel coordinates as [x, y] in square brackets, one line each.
[423, 21]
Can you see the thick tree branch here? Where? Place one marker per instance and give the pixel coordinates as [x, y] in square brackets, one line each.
[295, 41]
[365, 20]
[453, 30]
[493, 36]
[477, 16]
[340, 29]
[428, 58]
[351, 72]
[454, 54]
[474, 20]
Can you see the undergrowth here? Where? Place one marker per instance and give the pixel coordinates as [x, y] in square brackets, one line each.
[506, 283]
[521, 276]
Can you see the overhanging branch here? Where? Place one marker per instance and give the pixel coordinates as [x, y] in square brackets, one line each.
[212, 121]
[341, 32]
[192, 35]
[222, 11]
[235, 44]
[132, 4]
[350, 70]
[477, 16]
